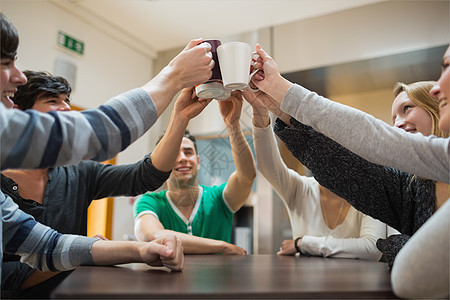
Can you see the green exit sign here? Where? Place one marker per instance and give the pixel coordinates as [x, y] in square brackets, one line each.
[70, 43]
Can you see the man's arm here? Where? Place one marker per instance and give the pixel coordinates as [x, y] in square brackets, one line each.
[187, 107]
[151, 172]
[240, 182]
[148, 227]
[47, 250]
[35, 140]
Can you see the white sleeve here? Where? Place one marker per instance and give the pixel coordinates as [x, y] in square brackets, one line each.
[287, 183]
[363, 247]
[421, 268]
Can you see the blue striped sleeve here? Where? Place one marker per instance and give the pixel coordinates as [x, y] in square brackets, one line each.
[54, 143]
[21, 147]
[118, 121]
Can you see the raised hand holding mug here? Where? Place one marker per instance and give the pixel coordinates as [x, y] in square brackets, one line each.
[235, 60]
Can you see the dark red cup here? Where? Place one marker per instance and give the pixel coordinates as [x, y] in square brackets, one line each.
[216, 74]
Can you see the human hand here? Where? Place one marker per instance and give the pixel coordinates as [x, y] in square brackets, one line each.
[166, 251]
[261, 116]
[188, 105]
[231, 108]
[99, 236]
[193, 65]
[269, 79]
[260, 101]
[287, 248]
[230, 249]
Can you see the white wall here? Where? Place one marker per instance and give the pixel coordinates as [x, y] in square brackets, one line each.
[107, 68]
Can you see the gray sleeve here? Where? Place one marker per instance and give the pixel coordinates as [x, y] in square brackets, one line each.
[369, 137]
[421, 268]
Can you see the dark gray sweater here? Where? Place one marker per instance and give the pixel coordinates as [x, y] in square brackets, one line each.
[401, 200]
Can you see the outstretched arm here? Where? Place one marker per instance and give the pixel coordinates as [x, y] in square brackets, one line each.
[374, 190]
[363, 247]
[187, 107]
[35, 140]
[361, 133]
[47, 250]
[240, 182]
[148, 227]
[151, 172]
[290, 185]
[165, 251]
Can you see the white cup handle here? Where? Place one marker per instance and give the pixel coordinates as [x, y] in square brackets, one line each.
[251, 75]
[249, 79]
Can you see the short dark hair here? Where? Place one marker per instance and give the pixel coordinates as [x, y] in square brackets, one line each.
[40, 84]
[188, 135]
[9, 38]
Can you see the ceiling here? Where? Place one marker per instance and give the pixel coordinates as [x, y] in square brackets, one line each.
[161, 25]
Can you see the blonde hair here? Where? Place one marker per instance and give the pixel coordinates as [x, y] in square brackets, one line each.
[419, 93]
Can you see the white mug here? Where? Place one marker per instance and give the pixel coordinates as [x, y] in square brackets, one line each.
[235, 60]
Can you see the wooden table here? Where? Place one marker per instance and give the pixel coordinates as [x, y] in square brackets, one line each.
[231, 277]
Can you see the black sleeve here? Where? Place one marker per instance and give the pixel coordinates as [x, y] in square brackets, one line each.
[391, 246]
[106, 180]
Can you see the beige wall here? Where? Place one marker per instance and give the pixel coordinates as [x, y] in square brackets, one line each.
[361, 33]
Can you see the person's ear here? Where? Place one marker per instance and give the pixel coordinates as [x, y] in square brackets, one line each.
[198, 162]
[16, 106]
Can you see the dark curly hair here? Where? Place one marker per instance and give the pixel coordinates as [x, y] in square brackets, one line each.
[40, 84]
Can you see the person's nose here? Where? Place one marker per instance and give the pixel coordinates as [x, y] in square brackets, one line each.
[435, 90]
[64, 107]
[181, 156]
[18, 77]
[400, 122]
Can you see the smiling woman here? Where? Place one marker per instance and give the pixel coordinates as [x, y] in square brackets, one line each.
[415, 110]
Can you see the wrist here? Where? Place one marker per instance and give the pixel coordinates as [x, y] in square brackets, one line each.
[171, 77]
[296, 244]
[234, 128]
[223, 247]
[261, 119]
[167, 79]
[278, 88]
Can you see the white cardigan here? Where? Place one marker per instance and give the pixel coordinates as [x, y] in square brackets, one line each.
[355, 237]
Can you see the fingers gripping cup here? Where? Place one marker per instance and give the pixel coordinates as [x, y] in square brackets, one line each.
[235, 60]
[213, 88]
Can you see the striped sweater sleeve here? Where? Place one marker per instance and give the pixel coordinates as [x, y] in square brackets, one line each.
[40, 246]
[34, 140]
